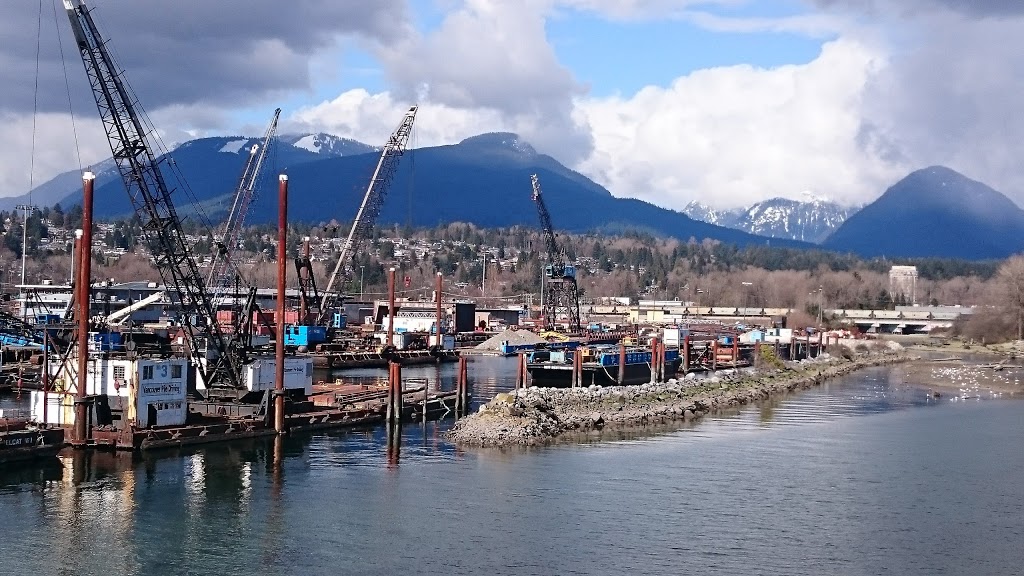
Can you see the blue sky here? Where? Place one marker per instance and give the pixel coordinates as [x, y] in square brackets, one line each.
[609, 56]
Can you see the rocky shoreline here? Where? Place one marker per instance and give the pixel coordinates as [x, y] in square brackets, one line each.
[538, 416]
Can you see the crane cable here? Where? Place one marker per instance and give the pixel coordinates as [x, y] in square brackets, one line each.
[67, 85]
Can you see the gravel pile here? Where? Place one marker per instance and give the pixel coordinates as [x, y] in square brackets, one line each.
[539, 415]
[513, 337]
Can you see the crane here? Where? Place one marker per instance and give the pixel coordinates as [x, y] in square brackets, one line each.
[223, 270]
[362, 226]
[220, 363]
[561, 295]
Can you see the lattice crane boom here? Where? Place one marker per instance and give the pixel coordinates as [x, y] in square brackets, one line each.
[561, 294]
[376, 191]
[223, 269]
[151, 198]
[556, 258]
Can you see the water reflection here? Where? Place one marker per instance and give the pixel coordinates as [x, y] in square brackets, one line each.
[377, 501]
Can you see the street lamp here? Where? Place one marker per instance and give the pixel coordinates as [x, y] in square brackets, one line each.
[818, 291]
[819, 307]
[361, 283]
[746, 299]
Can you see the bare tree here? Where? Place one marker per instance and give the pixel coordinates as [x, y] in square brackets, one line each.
[1011, 278]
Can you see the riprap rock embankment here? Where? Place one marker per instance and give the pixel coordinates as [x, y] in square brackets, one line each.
[540, 415]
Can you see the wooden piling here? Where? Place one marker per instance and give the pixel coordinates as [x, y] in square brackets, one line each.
[44, 375]
[81, 402]
[654, 358]
[391, 308]
[686, 354]
[819, 342]
[735, 352]
[520, 370]
[438, 332]
[461, 389]
[394, 413]
[622, 365]
[282, 274]
[714, 354]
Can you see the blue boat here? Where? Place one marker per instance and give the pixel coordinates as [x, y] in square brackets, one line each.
[600, 365]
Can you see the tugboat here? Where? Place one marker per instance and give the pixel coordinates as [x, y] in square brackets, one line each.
[553, 368]
[20, 440]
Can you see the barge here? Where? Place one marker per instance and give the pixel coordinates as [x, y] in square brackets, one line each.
[600, 365]
[20, 440]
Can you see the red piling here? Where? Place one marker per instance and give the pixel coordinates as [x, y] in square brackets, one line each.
[439, 340]
[462, 388]
[519, 370]
[81, 435]
[44, 376]
[654, 359]
[391, 308]
[622, 364]
[686, 354]
[394, 413]
[282, 274]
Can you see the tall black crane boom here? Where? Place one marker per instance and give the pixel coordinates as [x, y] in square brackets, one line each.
[223, 268]
[555, 256]
[561, 294]
[377, 190]
[151, 198]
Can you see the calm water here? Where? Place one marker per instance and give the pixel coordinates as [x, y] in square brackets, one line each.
[864, 476]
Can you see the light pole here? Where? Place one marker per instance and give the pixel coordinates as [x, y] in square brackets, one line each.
[819, 307]
[361, 283]
[746, 299]
[27, 208]
[74, 248]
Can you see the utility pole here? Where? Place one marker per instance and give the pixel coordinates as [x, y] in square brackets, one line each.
[819, 307]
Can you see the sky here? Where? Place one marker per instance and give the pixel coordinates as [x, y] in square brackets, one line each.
[726, 102]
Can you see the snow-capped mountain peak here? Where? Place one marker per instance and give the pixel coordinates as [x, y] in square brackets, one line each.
[810, 221]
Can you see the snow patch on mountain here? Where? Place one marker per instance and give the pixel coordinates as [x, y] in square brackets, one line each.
[233, 146]
[328, 144]
[808, 221]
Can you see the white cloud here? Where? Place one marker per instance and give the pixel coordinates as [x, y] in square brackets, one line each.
[371, 118]
[55, 150]
[950, 94]
[493, 56]
[734, 135]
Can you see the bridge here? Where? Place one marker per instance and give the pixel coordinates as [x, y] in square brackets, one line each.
[902, 320]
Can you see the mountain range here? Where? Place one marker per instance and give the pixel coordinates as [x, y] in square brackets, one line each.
[807, 221]
[485, 180]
